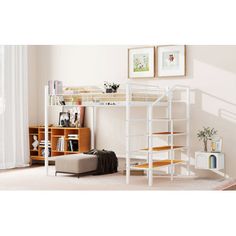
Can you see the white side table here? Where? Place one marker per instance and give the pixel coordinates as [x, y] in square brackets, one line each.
[209, 161]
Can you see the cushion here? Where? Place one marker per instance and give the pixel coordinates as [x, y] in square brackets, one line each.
[76, 163]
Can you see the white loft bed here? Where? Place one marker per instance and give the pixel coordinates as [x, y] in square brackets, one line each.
[138, 95]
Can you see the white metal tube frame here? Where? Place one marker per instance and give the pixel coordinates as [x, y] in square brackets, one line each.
[167, 93]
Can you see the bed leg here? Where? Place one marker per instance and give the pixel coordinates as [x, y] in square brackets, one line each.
[55, 173]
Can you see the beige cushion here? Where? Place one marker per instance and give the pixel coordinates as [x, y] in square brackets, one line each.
[76, 163]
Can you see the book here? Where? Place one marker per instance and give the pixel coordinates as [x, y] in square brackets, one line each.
[71, 146]
[55, 87]
[60, 144]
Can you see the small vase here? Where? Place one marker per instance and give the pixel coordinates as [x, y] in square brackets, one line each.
[205, 146]
[108, 90]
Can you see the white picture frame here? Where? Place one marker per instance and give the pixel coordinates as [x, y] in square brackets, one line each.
[141, 62]
[171, 61]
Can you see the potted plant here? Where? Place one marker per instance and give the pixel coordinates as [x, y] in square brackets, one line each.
[115, 87]
[206, 134]
[111, 88]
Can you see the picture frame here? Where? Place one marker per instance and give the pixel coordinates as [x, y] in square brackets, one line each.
[141, 62]
[77, 116]
[64, 119]
[216, 145]
[171, 61]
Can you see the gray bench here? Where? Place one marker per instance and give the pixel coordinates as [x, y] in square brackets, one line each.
[78, 164]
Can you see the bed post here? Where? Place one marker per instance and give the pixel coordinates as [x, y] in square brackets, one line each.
[127, 120]
[188, 128]
[46, 127]
[93, 127]
[150, 144]
[168, 124]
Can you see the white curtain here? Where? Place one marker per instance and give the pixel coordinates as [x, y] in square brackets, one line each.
[14, 147]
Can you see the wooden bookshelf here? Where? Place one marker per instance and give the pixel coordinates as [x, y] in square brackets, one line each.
[55, 133]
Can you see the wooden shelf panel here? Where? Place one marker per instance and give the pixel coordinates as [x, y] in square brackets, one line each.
[37, 158]
[162, 148]
[157, 164]
[70, 152]
[167, 133]
[67, 139]
[41, 158]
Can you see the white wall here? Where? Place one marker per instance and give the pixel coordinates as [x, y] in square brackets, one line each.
[211, 73]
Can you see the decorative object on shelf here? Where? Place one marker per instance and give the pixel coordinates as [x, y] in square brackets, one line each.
[76, 116]
[171, 61]
[35, 143]
[74, 119]
[64, 119]
[206, 134]
[141, 62]
[111, 87]
[62, 102]
[43, 152]
[216, 144]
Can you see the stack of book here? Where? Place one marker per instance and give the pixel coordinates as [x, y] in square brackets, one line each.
[42, 143]
[60, 144]
[55, 87]
[73, 136]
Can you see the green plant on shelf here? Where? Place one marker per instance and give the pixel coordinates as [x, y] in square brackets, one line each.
[206, 134]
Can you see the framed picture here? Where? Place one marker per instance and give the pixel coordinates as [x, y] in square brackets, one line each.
[76, 115]
[141, 62]
[64, 119]
[171, 61]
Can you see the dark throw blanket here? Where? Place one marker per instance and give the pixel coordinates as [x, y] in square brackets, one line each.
[107, 161]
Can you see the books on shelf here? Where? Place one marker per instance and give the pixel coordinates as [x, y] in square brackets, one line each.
[60, 144]
[73, 146]
[55, 87]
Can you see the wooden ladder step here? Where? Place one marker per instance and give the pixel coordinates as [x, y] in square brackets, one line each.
[158, 163]
[162, 148]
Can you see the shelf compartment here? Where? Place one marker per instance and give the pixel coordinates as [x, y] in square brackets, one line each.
[157, 164]
[162, 148]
